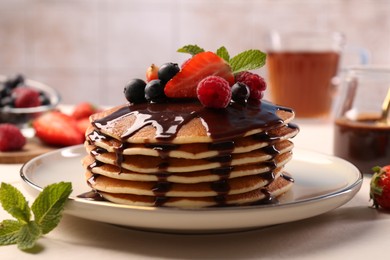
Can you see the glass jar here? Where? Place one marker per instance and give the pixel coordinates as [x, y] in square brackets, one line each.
[361, 135]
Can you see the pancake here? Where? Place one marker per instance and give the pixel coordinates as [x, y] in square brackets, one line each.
[117, 172]
[181, 154]
[262, 196]
[194, 150]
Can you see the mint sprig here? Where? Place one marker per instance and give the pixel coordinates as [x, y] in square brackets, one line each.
[191, 49]
[247, 60]
[47, 210]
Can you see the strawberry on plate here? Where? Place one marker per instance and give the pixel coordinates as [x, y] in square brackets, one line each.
[201, 65]
[380, 187]
[57, 129]
[83, 110]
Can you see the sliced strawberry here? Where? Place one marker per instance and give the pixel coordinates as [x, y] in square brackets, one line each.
[84, 109]
[58, 129]
[201, 65]
[83, 124]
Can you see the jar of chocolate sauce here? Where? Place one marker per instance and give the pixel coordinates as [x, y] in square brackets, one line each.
[361, 134]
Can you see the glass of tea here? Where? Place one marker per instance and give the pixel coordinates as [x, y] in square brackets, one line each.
[301, 66]
[362, 126]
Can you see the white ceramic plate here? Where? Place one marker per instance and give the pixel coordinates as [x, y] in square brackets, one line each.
[322, 183]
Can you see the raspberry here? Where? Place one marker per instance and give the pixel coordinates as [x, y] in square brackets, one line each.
[26, 97]
[255, 83]
[11, 139]
[214, 91]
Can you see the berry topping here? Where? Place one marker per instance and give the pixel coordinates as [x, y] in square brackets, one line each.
[83, 110]
[11, 139]
[152, 73]
[168, 71]
[240, 92]
[214, 92]
[26, 97]
[12, 83]
[58, 129]
[201, 65]
[135, 91]
[380, 187]
[154, 91]
[255, 83]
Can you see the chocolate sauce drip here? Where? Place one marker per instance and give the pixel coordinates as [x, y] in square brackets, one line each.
[269, 199]
[96, 136]
[223, 159]
[96, 163]
[287, 178]
[91, 195]
[161, 188]
[222, 187]
[271, 150]
[93, 179]
[223, 172]
[269, 176]
[222, 147]
[221, 124]
[160, 201]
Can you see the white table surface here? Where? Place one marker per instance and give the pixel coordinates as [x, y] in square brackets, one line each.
[353, 231]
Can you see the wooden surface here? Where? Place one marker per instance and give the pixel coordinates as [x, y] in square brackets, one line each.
[32, 149]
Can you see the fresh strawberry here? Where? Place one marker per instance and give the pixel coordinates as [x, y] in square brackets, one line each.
[25, 97]
[380, 187]
[11, 139]
[214, 91]
[83, 124]
[83, 110]
[201, 65]
[152, 73]
[58, 129]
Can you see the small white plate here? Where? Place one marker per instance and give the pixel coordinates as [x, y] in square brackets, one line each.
[322, 183]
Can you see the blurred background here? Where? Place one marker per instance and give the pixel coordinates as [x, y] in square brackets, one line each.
[89, 49]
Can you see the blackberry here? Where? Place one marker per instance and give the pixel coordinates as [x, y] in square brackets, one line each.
[167, 71]
[135, 91]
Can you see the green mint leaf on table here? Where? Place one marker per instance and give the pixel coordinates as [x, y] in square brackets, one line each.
[47, 209]
[49, 204]
[223, 53]
[191, 49]
[14, 202]
[9, 231]
[247, 60]
[28, 235]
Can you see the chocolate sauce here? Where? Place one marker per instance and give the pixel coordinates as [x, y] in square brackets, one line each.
[91, 195]
[364, 142]
[222, 125]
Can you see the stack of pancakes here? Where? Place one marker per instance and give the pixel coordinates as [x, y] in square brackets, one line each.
[188, 156]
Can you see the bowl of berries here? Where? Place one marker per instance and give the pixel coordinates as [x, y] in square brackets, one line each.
[22, 100]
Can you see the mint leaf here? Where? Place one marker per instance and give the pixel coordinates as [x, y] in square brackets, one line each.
[223, 53]
[28, 235]
[47, 209]
[14, 202]
[191, 49]
[247, 60]
[48, 206]
[9, 232]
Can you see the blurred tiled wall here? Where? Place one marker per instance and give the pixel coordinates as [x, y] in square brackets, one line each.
[89, 49]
